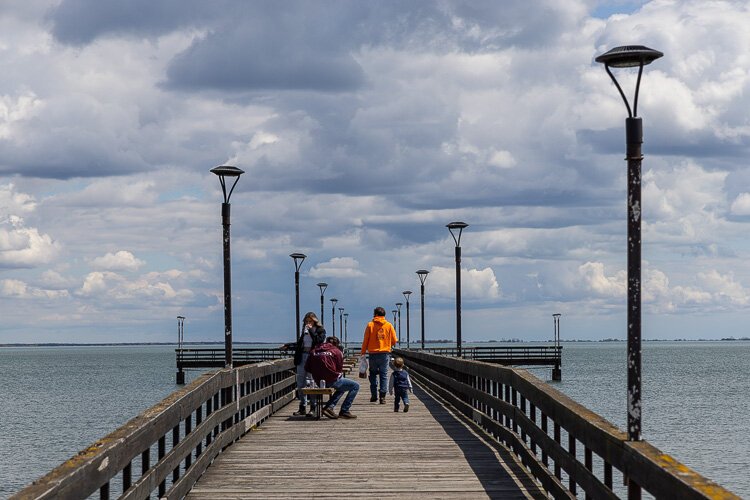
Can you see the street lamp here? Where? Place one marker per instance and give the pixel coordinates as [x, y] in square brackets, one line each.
[406, 297]
[341, 323]
[459, 226]
[630, 56]
[333, 316]
[223, 172]
[556, 373]
[299, 258]
[180, 379]
[394, 316]
[322, 287]
[346, 329]
[422, 274]
[398, 307]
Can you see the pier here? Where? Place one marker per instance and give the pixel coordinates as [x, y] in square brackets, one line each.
[476, 429]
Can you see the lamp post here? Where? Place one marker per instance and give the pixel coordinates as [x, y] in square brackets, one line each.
[398, 308]
[223, 172]
[459, 227]
[422, 274]
[299, 258]
[406, 297]
[322, 287]
[333, 316]
[341, 323]
[394, 315]
[632, 56]
[346, 329]
[556, 372]
[180, 379]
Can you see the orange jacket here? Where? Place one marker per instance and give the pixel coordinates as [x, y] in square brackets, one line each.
[380, 336]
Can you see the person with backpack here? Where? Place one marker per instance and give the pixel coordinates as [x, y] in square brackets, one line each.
[380, 337]
[326, 363]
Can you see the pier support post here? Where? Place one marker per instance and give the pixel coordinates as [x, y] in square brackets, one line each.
[180, 377]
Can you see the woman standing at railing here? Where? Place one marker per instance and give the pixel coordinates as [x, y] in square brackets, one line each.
[313, 334]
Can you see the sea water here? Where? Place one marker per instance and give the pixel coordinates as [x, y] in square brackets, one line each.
[696, 403]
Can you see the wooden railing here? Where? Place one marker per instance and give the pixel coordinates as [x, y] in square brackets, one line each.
[167, 448]
[509, 355]
[535, 421]
[215, 357]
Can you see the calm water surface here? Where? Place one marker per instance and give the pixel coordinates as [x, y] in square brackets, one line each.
[696, 403]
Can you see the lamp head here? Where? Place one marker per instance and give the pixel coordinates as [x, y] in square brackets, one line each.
[422, 273]
[456, 225]
[223, 172]
[299, 258]
[334, 301]
[629, 56]
[406, 295]
[322, 287]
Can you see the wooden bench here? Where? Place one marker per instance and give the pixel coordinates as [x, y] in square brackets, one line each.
[317, 394]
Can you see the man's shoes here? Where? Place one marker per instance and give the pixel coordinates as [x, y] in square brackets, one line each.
[330, 413]
[301, 412]
[311, 413]
[346, 414]
[406, 407]
[395, 408]
[382, 399]
[373, 399]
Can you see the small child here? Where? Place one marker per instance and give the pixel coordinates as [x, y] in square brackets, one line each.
[400, 383]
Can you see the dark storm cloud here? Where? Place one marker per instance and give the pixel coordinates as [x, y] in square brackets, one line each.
[79, 22]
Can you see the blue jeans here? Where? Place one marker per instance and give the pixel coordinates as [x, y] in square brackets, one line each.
[379, 371]
[400, 394]
[302, 380]
[343, 385]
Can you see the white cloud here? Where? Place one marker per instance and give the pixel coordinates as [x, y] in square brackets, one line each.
[22, 246]
[741, 204]
[337, 267]
[12, 288]
[121, 260]
[476, 284]
[595, 279]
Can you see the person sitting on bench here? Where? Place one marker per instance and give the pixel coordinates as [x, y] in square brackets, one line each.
[326, 363]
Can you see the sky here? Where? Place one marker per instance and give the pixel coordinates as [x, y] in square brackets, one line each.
[363, 129]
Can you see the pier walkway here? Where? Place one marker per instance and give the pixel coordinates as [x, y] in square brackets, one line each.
[429, 452]
[474, 430]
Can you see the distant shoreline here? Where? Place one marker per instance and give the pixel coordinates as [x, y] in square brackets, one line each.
[441, 341]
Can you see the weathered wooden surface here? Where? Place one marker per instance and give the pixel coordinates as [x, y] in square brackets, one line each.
[428, 452]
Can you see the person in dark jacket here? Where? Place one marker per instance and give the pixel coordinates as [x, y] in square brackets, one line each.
[313, 334]
[400, 383]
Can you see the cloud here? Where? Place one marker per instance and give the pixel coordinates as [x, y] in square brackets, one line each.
[476, 284]
[121, 260]
[22, 246]
[741, 205]
[337, 267]
[12, 288]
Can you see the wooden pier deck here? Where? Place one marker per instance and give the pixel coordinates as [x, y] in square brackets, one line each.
[429, 452]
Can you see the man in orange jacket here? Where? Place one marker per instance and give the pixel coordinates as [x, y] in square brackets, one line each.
[380, 337]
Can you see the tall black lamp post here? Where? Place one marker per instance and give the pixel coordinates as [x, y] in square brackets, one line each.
[556, 372]
[298, 259]
[394, 316]
[224, 172]
[341, 323]
[422, 274]
[456, 228]
[346, 329]
[398, 308]
[180, 339]
[333, 316]
[631, 56]
[322, 287]
[406, 297]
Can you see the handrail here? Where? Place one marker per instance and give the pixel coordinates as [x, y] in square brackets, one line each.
[180, 436]
[531, 418]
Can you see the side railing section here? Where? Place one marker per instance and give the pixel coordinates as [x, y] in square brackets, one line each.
[511, 355]
[165, 449]
[215, 357]
[569, 449]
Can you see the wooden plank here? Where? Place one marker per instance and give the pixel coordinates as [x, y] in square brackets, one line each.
[428, 452]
